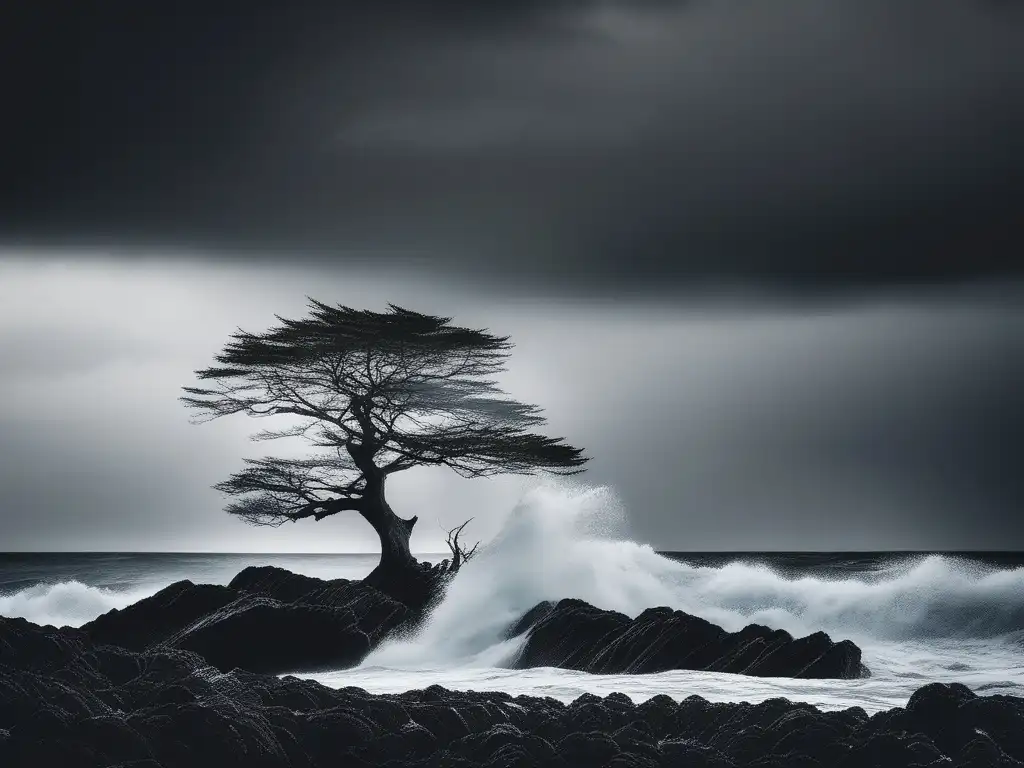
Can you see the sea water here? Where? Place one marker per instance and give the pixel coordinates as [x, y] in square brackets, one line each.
[919, 618]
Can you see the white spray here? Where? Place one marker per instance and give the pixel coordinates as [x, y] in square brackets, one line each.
[564, 541]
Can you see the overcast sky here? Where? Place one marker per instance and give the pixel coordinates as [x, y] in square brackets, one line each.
[762, 260]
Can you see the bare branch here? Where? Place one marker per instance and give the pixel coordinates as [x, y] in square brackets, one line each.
[460, 555]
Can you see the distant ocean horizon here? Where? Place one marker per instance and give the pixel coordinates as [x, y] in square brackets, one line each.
[108, 568]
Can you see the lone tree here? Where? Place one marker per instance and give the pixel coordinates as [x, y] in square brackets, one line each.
[377, 393]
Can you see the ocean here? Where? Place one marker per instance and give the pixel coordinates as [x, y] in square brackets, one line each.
[919, 617]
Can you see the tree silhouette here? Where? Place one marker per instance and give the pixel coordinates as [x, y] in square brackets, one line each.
[376, 393]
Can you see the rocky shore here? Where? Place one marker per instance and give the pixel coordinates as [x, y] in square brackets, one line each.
[67, 701]
[274, 621]
[180, 679]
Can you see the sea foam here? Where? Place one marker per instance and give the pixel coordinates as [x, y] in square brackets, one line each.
[68, 603]
[565, 541]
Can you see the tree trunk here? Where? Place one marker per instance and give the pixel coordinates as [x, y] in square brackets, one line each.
[398, 574]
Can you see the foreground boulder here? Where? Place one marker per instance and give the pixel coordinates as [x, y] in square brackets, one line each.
[67, 701]
[266, 620]
[572, 634]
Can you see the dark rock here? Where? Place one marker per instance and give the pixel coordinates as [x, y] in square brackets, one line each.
[573, 634]
[692, 753]
[375, 613]
[502, 745]
[590, 748]
[279, 583]
[264, 635]
[155, 618]
[266, 620]
[637, 742]
[175, 710]
[982, 750]
[271, 620]
[531, 617]
[410, 740]
[1001, 718]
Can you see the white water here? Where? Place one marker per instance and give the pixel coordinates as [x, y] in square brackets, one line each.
[69, 603]
[937, 619]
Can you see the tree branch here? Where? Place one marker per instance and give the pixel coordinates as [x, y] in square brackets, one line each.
[460, 555]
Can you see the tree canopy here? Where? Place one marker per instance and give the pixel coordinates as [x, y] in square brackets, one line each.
[375, 393]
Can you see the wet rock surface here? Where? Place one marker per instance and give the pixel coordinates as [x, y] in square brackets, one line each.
[266, 620]
[273, 621]
[572, 634]
[66, 700]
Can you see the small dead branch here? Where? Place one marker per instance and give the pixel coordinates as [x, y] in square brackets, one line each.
[460, 554]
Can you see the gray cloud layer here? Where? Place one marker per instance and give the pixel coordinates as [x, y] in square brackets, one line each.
[594, 147]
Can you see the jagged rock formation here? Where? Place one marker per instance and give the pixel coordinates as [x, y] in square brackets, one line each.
[573, 634]
[266, 620]
[66, 701]
[273, 621]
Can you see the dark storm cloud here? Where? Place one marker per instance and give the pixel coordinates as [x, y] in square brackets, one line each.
[570, 146]
[862, 147]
